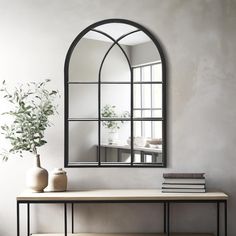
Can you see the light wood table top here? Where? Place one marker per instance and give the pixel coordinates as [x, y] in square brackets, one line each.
[119, 195]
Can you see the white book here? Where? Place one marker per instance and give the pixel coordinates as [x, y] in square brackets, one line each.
[181, 186]
[183, 190]
[184, 181]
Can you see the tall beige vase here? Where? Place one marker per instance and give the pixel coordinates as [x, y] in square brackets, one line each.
[37, 177]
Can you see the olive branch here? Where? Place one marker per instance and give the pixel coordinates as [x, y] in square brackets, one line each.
[109, 111]
[32, 105]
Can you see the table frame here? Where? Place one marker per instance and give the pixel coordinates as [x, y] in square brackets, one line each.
[166, 211]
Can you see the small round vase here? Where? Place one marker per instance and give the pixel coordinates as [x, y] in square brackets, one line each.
[57, 180]
[37, 177]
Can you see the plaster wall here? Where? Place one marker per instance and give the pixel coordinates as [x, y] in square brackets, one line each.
[199, 41]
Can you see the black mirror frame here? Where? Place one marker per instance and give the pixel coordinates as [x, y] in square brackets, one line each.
[164, 92]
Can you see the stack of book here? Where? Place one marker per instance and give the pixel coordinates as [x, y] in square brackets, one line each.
[184, 183]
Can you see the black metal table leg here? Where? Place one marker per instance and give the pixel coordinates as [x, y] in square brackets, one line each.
[225, 211]
[164, 217]
[72, 218]
[28, 219]
[218, 219]
[65, 218]
[18, 218]
[105, 149]
[168, 219]
[118, 155]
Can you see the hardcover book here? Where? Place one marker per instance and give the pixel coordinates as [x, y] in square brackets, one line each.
[183, 186]
[184, 181]
[183, 190]
[184, 175]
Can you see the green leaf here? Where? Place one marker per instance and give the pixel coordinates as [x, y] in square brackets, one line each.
[42, 142]
[3, 127]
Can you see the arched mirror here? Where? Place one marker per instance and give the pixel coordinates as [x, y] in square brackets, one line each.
[115, 99]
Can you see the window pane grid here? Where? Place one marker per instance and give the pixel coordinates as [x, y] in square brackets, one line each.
[146, 107]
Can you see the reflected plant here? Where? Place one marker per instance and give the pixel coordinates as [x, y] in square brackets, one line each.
[32, 105]
[109, 111]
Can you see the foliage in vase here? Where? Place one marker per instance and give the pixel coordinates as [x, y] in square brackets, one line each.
[109, 111]
[31, 106]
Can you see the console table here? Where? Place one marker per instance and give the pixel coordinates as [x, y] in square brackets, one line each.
[121, 196]
[155, 153]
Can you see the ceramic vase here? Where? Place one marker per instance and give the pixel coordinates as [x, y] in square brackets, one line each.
[57, 180]
[37, 177]
[112, 137]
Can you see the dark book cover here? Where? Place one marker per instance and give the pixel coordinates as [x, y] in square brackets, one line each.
[184, 175]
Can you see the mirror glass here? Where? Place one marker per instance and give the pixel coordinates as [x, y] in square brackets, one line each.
[115, 99]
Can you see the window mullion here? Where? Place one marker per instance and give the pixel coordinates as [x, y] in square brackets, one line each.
[151, 101]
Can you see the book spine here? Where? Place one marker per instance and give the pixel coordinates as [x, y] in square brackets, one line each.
[184, 175]
[184, 181]
[183, 190]
[183, 186]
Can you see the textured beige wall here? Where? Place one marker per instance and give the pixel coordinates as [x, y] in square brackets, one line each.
[199, 39]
